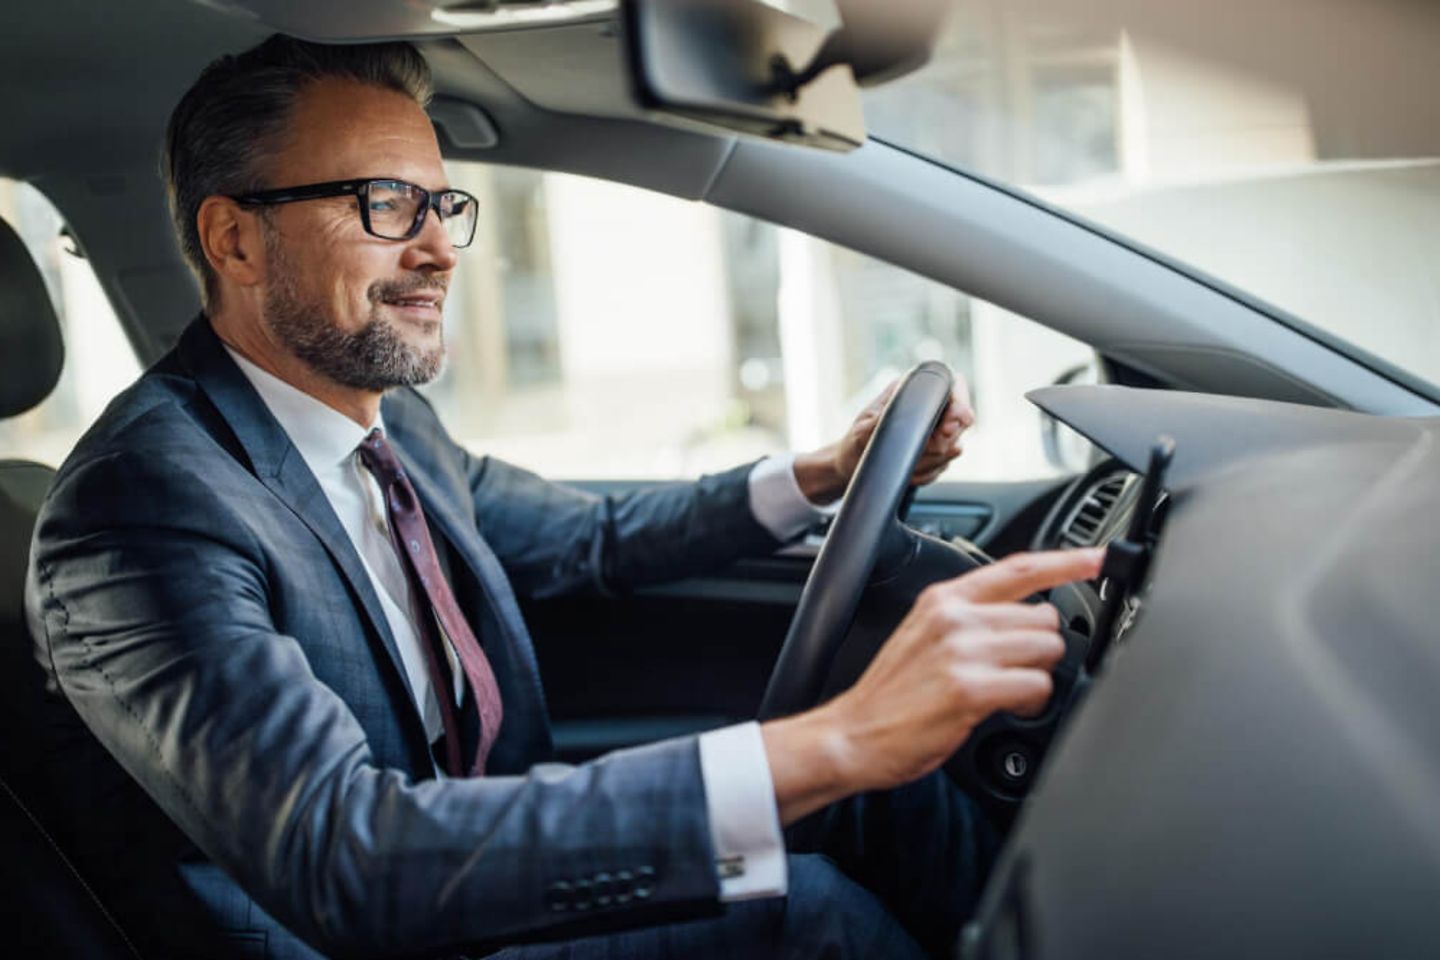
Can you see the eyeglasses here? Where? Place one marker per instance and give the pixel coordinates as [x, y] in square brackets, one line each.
[389, 209]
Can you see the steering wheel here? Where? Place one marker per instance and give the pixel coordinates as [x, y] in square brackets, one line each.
[866, 577]
[867, 534]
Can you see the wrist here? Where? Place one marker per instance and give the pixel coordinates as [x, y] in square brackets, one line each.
[819, 476]
[813, 762]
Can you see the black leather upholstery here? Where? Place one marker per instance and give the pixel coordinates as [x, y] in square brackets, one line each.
[48, 908]
[31, 351]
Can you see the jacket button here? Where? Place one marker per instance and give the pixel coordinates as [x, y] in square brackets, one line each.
[604, 889]
[644, 882]
[557, 896]
[624, 886]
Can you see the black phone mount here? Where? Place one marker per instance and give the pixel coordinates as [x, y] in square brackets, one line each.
[1127, 559]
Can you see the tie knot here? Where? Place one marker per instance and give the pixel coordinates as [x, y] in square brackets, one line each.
[379, 457]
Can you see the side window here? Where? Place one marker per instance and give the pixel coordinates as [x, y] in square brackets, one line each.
[602, 331]
[99, 361]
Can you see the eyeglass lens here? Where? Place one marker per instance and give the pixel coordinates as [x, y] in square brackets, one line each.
[394, 208]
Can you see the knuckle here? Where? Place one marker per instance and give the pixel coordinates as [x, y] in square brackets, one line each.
[1023, 565]
[925, 607]
[930, 598]
[963, 617]
[963, 684]
[973, 646]
[1054, 648]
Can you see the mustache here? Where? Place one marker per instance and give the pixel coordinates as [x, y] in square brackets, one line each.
[394, 289]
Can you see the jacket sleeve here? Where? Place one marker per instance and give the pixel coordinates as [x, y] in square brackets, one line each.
[148, 597]
[555, 539]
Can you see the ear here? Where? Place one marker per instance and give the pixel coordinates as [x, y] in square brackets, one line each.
[232, 240]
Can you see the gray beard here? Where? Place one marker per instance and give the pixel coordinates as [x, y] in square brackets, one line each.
[373, 358]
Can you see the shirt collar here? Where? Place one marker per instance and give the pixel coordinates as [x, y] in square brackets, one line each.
[324, 436]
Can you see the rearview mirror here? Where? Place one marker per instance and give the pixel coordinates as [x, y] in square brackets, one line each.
[746, 66]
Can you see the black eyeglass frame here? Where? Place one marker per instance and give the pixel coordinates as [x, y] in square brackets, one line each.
[360, 190]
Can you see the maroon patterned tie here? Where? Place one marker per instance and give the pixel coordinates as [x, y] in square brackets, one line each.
[411, 539]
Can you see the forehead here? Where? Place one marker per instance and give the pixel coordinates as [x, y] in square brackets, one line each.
[342, 129]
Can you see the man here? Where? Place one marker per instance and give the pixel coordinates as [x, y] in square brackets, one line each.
[293, 705]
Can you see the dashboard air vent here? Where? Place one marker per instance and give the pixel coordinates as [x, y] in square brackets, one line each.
[1085, 526]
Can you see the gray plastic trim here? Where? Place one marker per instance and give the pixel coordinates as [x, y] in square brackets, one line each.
[466, 125]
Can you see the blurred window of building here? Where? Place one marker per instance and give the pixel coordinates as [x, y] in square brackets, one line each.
[1290, 148]
[99, 361]
[600, 331]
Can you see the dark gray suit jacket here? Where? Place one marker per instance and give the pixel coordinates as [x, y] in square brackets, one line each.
[235, 754]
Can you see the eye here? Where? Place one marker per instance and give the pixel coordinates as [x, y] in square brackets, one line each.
[392, 196]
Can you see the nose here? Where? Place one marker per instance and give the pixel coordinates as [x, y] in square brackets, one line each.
[431, 247]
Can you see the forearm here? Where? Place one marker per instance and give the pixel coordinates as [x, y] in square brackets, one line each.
[553, 539]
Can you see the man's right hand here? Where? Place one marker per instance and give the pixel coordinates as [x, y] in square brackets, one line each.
[968, 648]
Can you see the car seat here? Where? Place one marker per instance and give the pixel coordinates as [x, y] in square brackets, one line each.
[51, 911]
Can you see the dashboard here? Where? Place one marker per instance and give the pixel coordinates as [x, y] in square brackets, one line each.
[1255, 771]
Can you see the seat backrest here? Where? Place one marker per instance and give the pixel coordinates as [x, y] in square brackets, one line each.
[30, 358]
[55, 913]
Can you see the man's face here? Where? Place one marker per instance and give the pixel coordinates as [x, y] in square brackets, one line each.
[359, 310]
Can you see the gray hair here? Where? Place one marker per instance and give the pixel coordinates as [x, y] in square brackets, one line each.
[231, 120]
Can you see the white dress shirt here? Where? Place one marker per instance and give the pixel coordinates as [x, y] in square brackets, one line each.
[739, 794]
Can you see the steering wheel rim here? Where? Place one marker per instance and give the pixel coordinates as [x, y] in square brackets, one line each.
[866, 530]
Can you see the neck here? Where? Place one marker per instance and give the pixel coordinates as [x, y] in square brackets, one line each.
[255, 343]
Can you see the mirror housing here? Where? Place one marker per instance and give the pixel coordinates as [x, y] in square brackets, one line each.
[748, 67]
[881, 42]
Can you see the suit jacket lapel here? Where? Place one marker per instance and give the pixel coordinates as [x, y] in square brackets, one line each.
[279, 466]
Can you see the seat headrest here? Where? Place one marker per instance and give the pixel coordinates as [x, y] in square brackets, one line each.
[31, 351]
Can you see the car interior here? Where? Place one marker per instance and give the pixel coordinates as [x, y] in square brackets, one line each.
[1243, 755]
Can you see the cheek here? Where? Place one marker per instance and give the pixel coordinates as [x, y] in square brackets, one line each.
[348, 263]
[347, 293]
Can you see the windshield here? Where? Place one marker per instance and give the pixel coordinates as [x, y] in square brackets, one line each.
[1286, 147]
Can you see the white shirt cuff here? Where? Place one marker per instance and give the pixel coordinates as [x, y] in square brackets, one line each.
[776, 501]
[744, 820]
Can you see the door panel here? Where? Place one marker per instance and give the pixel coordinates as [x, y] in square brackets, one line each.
[666, 660]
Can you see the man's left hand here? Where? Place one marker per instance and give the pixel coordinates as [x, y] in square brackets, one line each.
[825, 474]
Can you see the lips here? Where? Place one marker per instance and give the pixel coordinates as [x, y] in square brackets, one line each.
[419, 294]
[422, 302]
